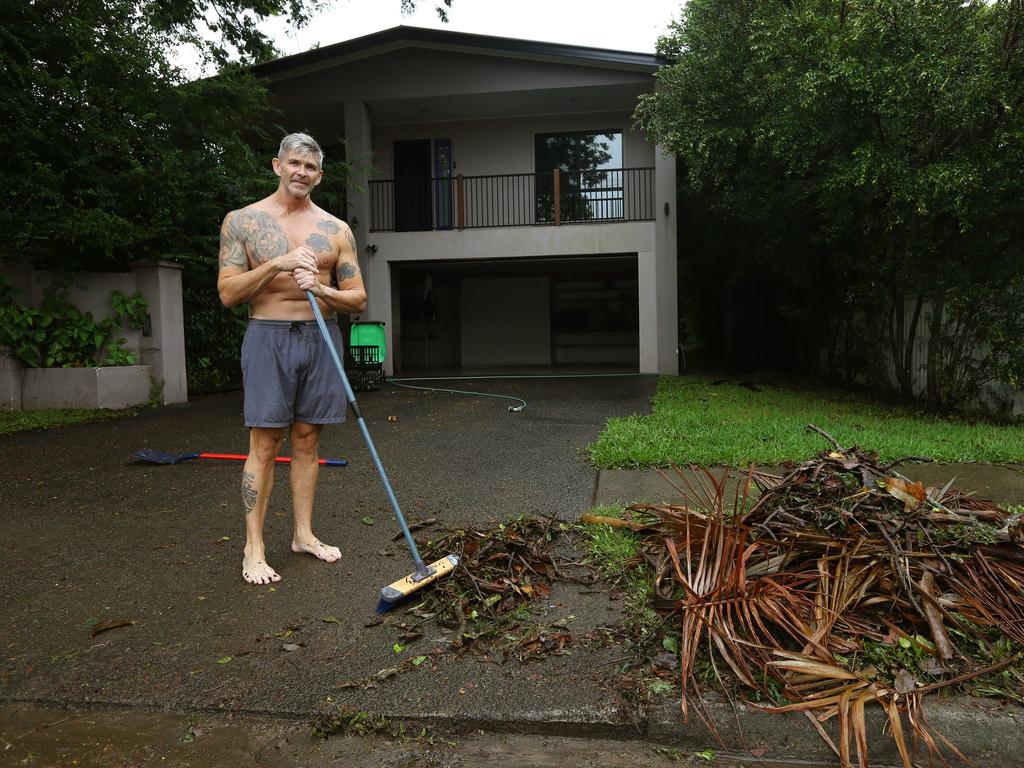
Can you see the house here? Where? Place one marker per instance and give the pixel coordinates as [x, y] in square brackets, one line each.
[509, 216]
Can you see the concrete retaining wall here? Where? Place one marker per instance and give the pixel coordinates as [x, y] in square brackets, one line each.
[113, 387]
[160, 346]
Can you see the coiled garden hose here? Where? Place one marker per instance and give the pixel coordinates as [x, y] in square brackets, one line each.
[511, 408]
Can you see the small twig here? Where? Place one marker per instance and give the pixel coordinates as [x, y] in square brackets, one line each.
[918, 459]
[902, 573]
[615, 661]
[415, 527]
[826, 435]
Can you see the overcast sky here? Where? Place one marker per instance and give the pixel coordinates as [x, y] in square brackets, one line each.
[633, 25]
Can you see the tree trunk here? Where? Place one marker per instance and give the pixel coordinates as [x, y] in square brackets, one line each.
[935, 341]
[903, 343]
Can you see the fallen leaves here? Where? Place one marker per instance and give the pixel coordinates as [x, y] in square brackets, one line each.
[502, 572]
[835, 585]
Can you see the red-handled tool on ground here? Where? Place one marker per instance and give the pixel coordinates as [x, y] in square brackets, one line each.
[162, 457]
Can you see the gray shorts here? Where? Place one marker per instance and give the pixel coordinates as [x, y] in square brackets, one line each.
[288, 374]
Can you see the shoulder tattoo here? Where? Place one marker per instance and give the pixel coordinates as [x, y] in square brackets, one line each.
[329, 226]
[258, 231]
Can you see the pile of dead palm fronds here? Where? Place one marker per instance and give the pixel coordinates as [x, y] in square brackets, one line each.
[837, 585]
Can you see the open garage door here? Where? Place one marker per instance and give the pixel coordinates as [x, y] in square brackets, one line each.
[516, 315]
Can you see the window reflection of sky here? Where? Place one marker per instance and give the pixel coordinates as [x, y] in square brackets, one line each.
[605, 194]
[614, 148]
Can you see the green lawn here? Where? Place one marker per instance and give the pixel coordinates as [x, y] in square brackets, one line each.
[694, 421]
[22, 421]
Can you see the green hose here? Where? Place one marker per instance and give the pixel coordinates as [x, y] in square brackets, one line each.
[511, 408]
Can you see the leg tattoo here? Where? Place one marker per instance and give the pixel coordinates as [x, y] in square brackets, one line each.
[249, 493]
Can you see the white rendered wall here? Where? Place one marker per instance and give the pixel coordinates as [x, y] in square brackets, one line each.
[514, 242]
[486, 147]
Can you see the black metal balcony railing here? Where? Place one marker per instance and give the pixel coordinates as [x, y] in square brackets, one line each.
[512, 200]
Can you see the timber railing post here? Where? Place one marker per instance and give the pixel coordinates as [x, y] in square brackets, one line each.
[558, 197]
[460, 199]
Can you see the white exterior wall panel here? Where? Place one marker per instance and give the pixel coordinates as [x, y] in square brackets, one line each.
[490, 98]
[499, 146]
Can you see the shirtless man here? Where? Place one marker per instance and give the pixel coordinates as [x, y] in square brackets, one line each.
[271, 253]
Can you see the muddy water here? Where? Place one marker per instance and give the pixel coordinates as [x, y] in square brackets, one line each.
[51, 737]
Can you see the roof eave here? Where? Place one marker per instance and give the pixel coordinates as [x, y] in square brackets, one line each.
[402, 36]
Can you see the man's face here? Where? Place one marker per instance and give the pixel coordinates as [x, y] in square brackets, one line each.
[298, 173]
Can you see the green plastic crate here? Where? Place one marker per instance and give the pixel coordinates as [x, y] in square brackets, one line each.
[368, 333]
[364, 367]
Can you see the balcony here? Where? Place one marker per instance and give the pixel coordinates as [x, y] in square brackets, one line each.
[513, 200]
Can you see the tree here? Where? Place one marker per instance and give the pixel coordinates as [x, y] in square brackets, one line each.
[112, 155]
[864, 161]
[579, 157]
[408, 6]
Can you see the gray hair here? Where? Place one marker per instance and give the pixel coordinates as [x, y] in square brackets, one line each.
[301, 144]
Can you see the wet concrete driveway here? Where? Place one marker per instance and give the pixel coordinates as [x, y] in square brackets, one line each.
[91, 536]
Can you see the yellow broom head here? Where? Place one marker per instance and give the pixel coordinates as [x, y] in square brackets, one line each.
[406, 586]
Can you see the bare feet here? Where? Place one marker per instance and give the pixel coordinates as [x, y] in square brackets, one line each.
[318, 549]
[258, 572]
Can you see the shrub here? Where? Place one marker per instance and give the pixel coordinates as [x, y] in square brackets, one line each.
[60, 335]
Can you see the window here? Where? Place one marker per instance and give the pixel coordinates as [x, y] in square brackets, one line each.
[589, 167]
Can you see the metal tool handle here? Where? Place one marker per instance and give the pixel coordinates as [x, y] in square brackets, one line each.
[421, 569]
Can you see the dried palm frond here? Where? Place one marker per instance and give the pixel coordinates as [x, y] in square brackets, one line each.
[838, 556]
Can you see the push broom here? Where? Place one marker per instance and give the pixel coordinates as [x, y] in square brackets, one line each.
[424, 574]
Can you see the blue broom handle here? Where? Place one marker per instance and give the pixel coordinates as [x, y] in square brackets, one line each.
[421, 569]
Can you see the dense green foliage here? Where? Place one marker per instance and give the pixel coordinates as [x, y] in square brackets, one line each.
[60, 335]
[114, 156]
[853, 180]
[702, 421]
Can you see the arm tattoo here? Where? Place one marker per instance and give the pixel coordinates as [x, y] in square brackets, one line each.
[346, 271]
[328, 226]
[318, 242]
[232, 250]
[261, 233]
[249, 493]
[351, 240]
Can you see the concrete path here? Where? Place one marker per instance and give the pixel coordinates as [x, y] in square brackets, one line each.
[91, 535]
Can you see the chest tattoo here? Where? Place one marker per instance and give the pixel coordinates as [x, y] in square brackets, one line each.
[328, 226]
[318, 242]
[261, 233]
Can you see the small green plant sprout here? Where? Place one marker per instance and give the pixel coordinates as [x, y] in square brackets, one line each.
[347, 720]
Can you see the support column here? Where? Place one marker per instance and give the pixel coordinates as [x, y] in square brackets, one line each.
[10, 381]
[358, 155]
[666, 264]
[163, 346]
[379, 304]
[647, 278]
